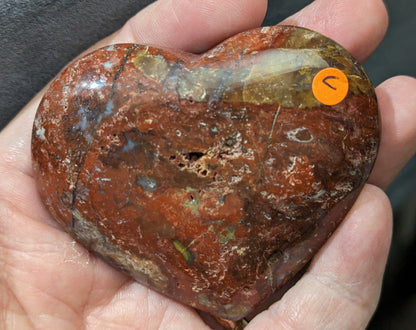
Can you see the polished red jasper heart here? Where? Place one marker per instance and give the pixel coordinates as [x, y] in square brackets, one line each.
[211, 178]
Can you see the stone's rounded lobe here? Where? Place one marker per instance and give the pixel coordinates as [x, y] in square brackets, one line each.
[214, 178]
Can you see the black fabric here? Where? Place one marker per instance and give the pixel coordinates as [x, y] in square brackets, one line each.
[38, 37]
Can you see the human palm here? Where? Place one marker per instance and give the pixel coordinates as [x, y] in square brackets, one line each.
[49, 281]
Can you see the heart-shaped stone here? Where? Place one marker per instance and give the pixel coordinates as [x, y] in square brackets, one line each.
[212, 178]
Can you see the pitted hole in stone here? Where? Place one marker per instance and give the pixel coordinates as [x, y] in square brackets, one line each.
[114, 139]
[191, 161]
[105, 148]
[190, 157]
[194, 156]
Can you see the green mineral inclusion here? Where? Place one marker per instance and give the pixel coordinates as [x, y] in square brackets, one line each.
[186, 253]
[226, 235]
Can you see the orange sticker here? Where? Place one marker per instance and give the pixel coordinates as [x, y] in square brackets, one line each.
[330, 86]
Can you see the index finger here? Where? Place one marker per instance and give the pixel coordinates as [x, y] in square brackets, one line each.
[359, 26]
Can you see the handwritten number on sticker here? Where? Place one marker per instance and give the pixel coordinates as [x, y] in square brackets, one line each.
[330, 86]
[325, 81]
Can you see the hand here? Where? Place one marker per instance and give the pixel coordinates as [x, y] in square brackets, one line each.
[49, 281]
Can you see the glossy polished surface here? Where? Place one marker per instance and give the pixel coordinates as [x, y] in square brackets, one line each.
[214, 178]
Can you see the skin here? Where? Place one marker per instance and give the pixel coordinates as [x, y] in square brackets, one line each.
[47, 281]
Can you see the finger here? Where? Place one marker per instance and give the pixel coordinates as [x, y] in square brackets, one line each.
[15, 141]
[192, 25]
[341, 288]
[142, 308]
[397, 104]
[359, 26]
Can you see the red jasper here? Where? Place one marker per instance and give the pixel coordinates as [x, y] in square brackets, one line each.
[211, 178]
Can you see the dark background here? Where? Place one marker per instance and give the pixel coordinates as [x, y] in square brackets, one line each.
[38, 37]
